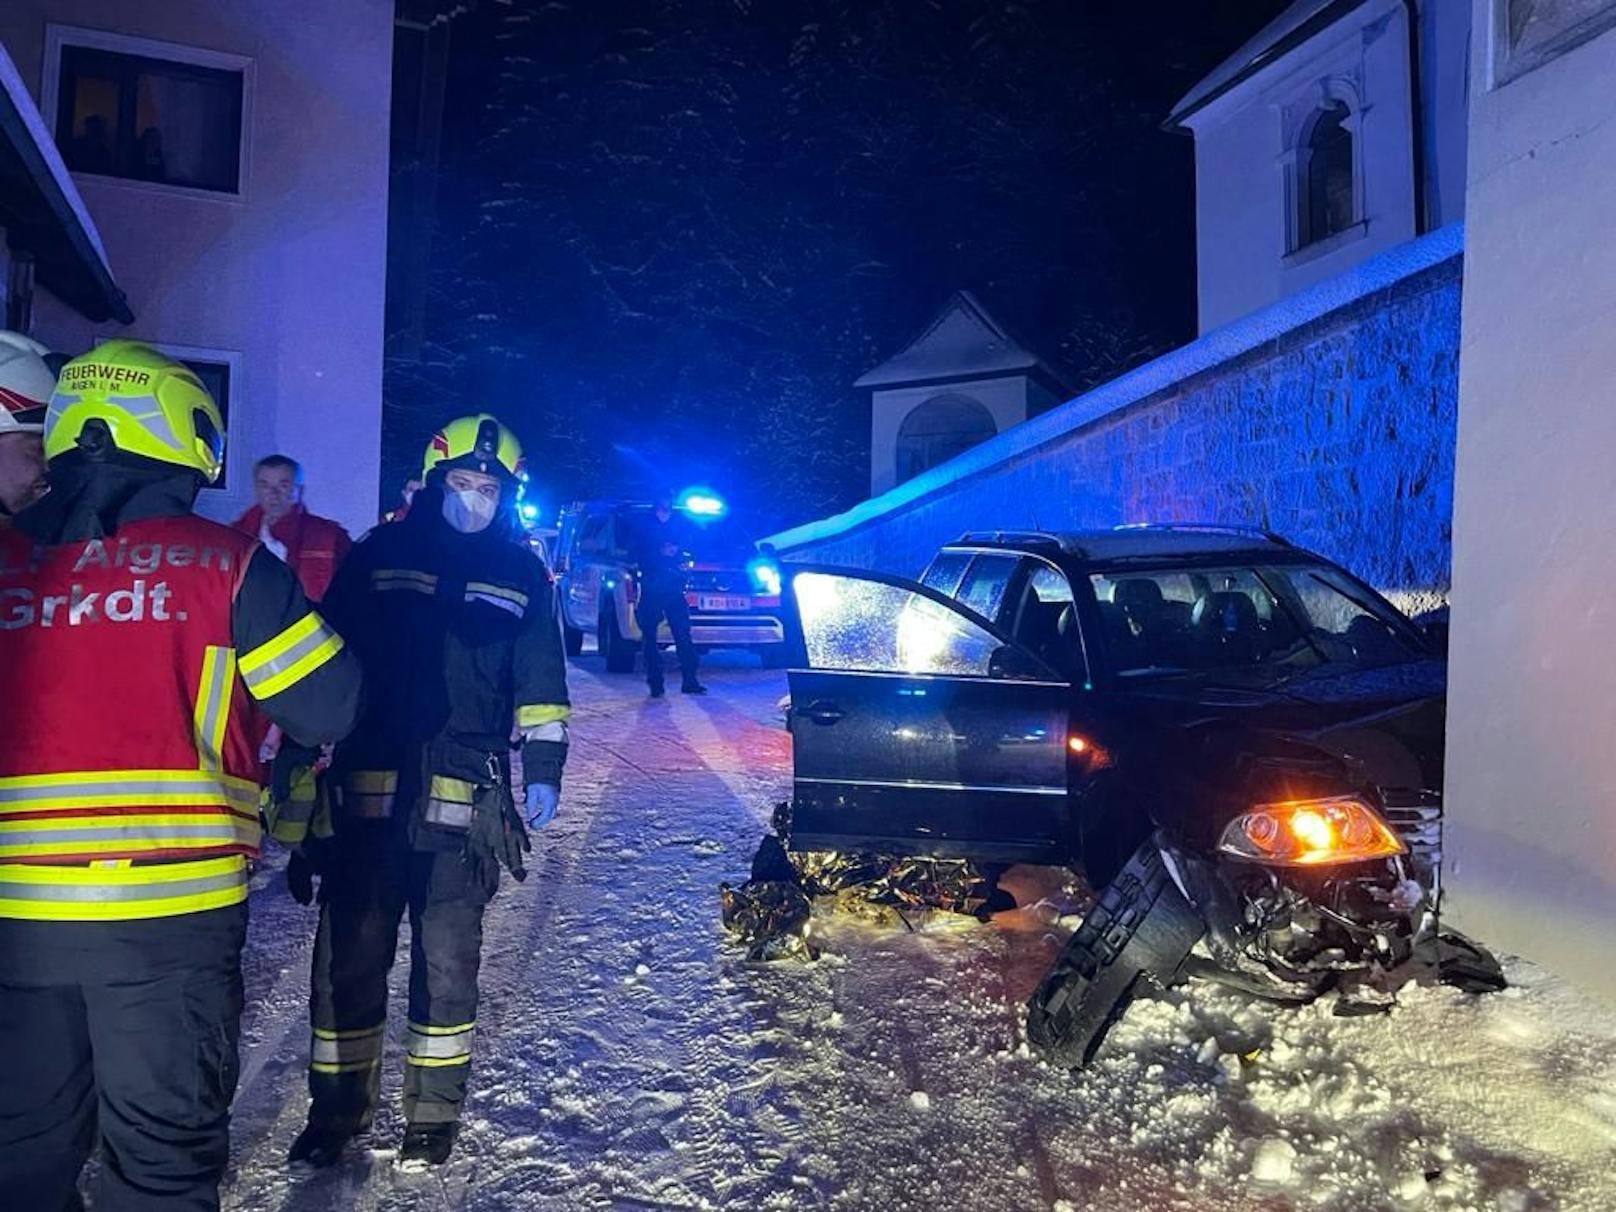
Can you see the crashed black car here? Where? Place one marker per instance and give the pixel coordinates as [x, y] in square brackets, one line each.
[1236, 742]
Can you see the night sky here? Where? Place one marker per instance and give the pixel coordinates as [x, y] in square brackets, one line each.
[670, 234]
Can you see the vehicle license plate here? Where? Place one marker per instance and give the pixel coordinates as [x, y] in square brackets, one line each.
[709, 601]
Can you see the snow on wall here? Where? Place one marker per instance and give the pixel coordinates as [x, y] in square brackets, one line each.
[1329, 419]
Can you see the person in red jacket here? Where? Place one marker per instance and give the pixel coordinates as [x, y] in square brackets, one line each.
[312, 546]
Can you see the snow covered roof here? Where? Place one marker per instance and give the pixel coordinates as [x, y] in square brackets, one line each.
[964, 341]
[42, 211]
[1296, 24]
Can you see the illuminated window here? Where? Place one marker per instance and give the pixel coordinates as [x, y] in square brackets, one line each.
[148, 117]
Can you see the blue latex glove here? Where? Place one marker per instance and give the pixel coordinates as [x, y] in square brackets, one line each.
[542, 801]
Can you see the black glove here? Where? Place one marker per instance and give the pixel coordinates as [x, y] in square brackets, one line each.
[300, 878]
[289, 759]
[497, 839]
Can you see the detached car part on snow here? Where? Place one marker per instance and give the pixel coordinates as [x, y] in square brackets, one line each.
[1236, 741]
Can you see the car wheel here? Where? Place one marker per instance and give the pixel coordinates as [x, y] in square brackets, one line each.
[618, 651]
[774, 656]
[1141, 929]
[573, 639]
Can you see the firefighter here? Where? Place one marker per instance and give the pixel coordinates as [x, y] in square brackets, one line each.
[138, 646]
[454, 621]
[26, 383]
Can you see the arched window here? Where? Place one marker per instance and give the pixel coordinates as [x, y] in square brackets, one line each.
[939, 429]
[1327, 199]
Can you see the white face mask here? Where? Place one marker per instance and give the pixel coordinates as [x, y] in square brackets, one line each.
[468, 510]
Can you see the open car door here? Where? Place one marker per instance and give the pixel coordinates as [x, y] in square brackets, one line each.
[918, 728]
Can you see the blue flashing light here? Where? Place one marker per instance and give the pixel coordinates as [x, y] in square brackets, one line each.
[530, 511]
[765, 574]
[702, 503]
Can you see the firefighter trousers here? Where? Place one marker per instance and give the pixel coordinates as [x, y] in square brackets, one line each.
[666, 602]
[124, 1032]
[364, 892]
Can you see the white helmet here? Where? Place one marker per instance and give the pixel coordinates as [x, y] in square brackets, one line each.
[26, 384]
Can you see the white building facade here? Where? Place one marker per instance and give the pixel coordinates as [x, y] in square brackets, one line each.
[234, 159]
[960, 382]
[1334, 134]
[1531, 773]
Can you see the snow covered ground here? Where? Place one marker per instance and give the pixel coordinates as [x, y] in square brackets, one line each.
[627, 1058]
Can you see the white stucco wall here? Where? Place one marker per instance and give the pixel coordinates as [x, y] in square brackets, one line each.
[1244, 141]
[1531, 783]
[1005, 397]
[289, 277]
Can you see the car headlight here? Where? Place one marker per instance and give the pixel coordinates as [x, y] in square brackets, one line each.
[1311, 833]
[765, 577]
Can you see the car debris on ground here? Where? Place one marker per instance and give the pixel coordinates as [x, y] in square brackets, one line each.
[771, 912]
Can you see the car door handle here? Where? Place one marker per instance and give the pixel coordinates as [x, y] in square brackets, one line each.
[823, 712]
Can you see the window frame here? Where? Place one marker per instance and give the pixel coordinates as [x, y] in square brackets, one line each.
[1303, 115]
[57, 37]
[1508, 62]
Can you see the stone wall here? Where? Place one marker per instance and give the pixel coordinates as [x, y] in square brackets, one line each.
[1335, 430]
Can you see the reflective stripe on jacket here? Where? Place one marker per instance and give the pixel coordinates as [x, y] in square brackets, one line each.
[129, 772]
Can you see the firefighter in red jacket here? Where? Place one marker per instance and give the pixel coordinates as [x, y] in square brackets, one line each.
[138, 646]
[454, 620]
[313, 546]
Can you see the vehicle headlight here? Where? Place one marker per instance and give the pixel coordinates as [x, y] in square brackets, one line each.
[765, 577]
[1311, 833]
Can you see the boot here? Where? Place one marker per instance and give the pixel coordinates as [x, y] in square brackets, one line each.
[692, 687]
[318, 1146]
[427, 1145]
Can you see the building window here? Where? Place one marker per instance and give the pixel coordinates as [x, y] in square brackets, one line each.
[939, 429]
[1327, 193]
[1529, 33]
[144, 117]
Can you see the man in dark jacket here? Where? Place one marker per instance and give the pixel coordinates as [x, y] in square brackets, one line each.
[660, 547]
[454, 620]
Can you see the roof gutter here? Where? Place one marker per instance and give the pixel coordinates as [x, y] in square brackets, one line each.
[1416, 109]
[1323, 19]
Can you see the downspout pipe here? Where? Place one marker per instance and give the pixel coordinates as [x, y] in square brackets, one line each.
[1416, 109]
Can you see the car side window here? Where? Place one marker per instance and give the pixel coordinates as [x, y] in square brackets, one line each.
[1046, 618]
[983, 587]
[594, 536]
[944, 572]
[853, 624]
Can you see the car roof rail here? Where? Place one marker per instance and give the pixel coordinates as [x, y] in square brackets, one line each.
[1249, 532]
[1040, 538]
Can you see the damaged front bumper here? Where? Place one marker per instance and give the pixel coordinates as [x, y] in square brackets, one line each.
[1290, 933]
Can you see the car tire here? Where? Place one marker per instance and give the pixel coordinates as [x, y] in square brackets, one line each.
[774, 656]
[618, 651]
[1140, 929]
[573, 639]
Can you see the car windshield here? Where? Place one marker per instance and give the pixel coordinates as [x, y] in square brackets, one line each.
[1273, 619]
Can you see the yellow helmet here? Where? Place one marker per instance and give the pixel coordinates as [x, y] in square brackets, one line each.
[478, 443]
[152, 406]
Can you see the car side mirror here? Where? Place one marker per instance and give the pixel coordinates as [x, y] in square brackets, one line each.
[1014, 664]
